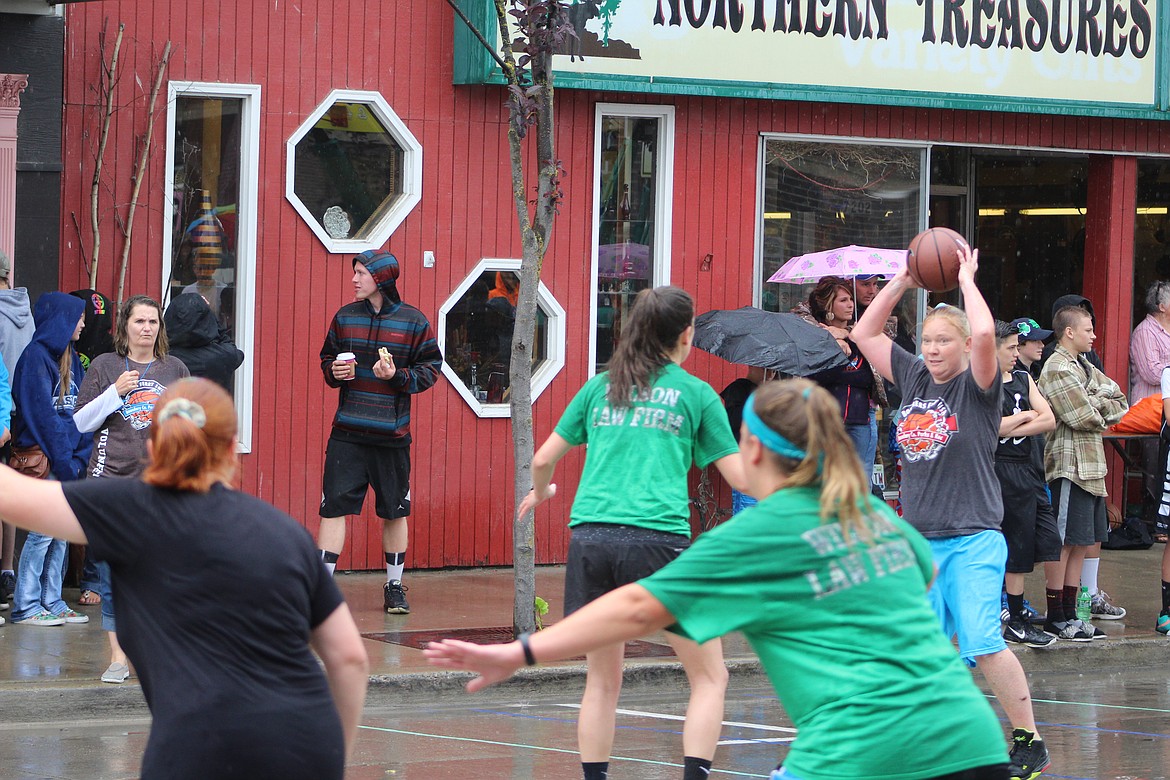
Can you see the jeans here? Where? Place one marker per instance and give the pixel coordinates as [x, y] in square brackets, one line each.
[740, 501]
[864, 436]
[39, 576]
[105, 589]
[89, 572]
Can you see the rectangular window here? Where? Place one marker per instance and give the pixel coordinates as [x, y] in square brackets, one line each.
[823, 195]
[210, 233]
[631, 240]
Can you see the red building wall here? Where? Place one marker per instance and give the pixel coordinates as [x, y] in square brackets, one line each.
[298, 53]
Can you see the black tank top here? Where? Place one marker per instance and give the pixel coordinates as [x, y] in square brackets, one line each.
[1015, 399]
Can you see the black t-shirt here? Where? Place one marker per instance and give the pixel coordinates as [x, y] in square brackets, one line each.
[218, 593]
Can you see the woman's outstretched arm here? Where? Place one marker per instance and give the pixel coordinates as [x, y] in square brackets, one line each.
[37, 505]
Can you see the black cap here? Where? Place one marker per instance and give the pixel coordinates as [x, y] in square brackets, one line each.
[1030, 330]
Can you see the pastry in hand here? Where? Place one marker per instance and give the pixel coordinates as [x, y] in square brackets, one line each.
[385, 355]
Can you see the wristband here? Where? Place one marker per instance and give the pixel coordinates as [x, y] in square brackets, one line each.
[529, 658]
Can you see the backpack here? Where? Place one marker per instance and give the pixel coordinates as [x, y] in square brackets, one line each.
[1131, 534]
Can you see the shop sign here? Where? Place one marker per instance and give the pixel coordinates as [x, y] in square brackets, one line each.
[1062, 56]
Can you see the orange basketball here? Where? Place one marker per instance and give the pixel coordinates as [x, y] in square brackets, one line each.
[934, 259]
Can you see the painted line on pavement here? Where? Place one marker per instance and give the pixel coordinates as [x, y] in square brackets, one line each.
[665, 716]
[453, 738]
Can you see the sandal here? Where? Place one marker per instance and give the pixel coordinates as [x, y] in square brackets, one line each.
[89, 598]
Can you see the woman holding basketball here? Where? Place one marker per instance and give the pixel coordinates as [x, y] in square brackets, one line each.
[233, 687]
[645, 421]
[777, 572]
[948, 428]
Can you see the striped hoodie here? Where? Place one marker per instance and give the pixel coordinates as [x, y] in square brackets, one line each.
[372, 410]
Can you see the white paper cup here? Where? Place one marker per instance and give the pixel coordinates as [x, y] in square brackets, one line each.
[348, 357]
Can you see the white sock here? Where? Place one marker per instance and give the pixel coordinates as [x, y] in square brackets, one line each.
[395, 563]
[1089, 574]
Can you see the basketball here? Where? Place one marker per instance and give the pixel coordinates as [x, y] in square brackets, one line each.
[934, 259]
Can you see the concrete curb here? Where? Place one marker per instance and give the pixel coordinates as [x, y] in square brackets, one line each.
[31, 704]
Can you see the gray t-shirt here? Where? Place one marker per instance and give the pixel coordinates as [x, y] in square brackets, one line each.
[119, 445]
[948, 434]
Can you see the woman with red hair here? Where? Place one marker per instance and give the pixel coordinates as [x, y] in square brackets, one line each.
[231, 681]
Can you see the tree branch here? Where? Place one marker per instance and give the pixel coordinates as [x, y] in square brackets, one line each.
[108, 79]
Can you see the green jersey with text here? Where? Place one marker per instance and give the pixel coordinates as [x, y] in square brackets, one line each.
[638, 456]
[846, 635]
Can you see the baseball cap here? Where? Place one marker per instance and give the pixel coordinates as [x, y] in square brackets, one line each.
[1030, 330]
[867, 277]
[5, 265]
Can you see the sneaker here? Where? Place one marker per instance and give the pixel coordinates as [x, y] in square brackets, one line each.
[1020, 633]
[394, 598]
[1029, 614]
[1, 621]
[72, 616]
[116, 673]
[1069, 630]
[1103, 610]
[1091, 630]
[1029, 757]
[1163, 624]
[41, 619]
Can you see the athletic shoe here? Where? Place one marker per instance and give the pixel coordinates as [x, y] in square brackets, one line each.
[1, 621]
[1030, 615]
[1069, 630]
[116, 673]
[1091, 630]
[1020, 633]
[1029, 757]
[1163, 625]
[74, 617]
[1103, 610]
[394, 598]
[41, 619]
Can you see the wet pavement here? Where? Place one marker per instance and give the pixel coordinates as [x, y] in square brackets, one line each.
[1104, 707]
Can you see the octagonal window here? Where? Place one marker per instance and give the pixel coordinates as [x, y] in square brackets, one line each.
[354, 171]
[475, 335]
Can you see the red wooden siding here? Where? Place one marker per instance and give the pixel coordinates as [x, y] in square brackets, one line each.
[298, 52]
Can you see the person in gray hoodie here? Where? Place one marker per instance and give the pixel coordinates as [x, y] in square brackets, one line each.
[16, 331]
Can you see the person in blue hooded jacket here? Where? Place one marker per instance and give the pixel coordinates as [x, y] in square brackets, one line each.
[44, 392]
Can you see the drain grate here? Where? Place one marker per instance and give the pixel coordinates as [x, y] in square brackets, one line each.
[492, 634]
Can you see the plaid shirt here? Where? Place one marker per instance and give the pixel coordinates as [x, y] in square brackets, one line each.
[1085, 403]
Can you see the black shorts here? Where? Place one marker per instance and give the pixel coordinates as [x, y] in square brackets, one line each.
[1029, 524]
[1080, 515]
[352, 468]
[606, 556]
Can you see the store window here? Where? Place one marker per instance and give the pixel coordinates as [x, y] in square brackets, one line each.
[355, 171]
[634, 150]
[476, 325]
[823, 195]
[1151, 244]
[209, 239]
[1030, 229]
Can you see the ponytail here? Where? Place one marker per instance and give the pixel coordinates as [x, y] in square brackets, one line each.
[657, 319]
[807, 416]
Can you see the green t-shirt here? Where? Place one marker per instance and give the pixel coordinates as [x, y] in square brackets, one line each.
[845, 634]
[638, 456]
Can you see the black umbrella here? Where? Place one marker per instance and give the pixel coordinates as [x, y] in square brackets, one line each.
[779, 341]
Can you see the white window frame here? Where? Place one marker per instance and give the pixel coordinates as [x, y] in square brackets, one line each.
[663, 209]
[544, 374]
[412, 167]
[246, 222]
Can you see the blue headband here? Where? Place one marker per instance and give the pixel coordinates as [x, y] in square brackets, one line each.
[768, 437]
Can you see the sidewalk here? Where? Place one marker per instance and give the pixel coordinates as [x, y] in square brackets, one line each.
[51, 674]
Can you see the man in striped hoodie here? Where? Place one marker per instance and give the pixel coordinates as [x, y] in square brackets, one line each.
[369, 445]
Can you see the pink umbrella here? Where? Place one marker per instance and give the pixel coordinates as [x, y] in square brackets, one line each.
[847, 261]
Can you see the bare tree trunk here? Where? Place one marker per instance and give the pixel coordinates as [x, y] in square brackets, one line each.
[108, 82]
[140, 170]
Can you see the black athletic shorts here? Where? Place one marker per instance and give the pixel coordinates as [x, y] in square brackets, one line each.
[606, 556]
[1080, 515]
[1029, 524]
[352, 468]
